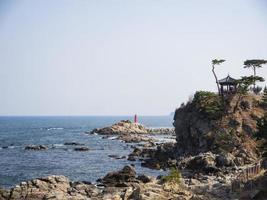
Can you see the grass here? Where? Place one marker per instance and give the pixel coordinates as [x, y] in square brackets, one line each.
[174, 176]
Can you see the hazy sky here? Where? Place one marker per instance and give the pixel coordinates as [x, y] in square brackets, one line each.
[117, 57]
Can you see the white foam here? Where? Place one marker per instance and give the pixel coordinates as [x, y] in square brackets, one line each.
[58, 145]
[54, 128]
[113, 138]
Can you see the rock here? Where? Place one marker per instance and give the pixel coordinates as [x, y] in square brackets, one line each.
[162, 157]
[117, 156]
[73, 144]
[233, 122]
[122, 127]
[36, 147]
[120, 178]
[81, 149]
[162, 131]
[51, 187]
[148, 144]
[135, 154]
[224, 160]
[127, 127]
[144, 178]
[203, 162]
[135, 138]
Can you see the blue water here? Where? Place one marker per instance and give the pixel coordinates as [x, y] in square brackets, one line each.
[17, 164]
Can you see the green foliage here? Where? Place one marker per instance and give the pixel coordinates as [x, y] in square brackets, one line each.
[254, 63]
[209, 104]
[262, 128]
[262, 134]
[174, 176]
[246, 81]
[217, 61]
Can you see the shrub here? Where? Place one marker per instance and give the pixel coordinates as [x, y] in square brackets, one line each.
[174, 176]
[244, 105]
[262, 128]
[209, 104]
[264, 96]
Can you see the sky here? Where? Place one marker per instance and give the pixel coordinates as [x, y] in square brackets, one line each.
[116, 57]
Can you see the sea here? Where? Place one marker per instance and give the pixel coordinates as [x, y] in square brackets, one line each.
[18, 164]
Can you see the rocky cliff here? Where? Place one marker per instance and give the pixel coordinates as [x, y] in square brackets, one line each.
[222, 126]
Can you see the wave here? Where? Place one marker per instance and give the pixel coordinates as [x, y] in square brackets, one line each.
[58, 145]
[54, 128]
[10, 147]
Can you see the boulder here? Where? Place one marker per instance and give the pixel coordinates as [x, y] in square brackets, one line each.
[135, 154]
[203, 162]
[225, 160]
[117, 156]
[120, 178]
[144, 178]
[36, 147]
[81, 149]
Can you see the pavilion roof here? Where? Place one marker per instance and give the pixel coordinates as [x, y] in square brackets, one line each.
[227, 80]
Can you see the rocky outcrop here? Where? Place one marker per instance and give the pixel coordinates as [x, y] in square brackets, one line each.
[228, 133]
[122, 127]
[127, 127]
[161, 157]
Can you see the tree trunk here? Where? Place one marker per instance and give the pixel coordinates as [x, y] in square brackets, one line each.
[213, 71]
[254, 84]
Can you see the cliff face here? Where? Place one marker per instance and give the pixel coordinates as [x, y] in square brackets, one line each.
[209, 123]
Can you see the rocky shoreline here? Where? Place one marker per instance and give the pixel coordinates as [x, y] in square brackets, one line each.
[126, 184]
[120, 185]
[212, 158]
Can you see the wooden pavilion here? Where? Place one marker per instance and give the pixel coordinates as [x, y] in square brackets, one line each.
[228, 85]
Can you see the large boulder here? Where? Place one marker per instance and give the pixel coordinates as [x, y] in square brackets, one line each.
[120, 178]
[203, 163]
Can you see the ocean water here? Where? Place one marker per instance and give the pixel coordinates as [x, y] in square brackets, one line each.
[17, 164]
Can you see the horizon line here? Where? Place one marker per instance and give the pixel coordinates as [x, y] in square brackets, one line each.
[84, 115]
